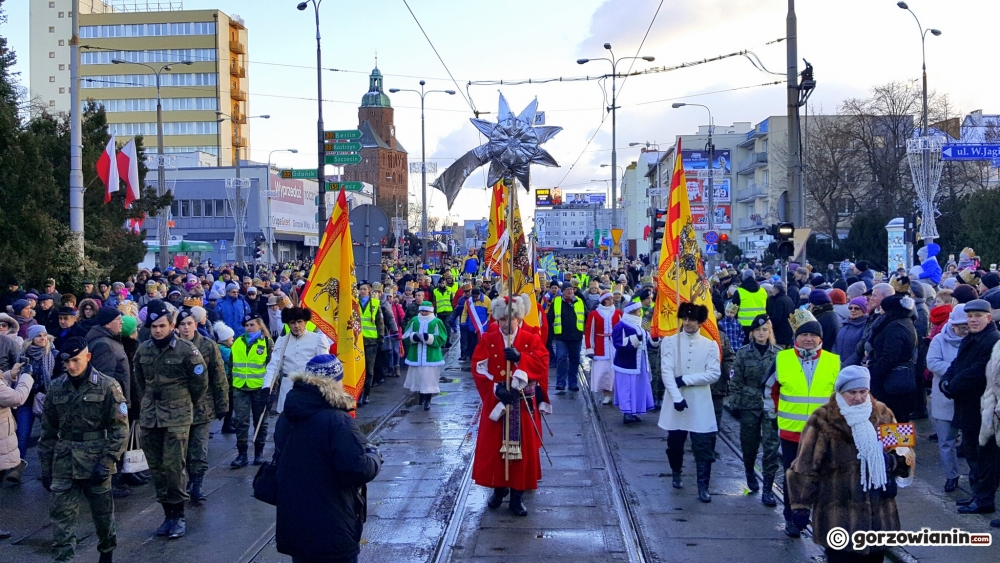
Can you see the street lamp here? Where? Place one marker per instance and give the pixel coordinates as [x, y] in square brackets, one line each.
[239, 211]
[162, 216]
[614, 153]
[320, 152]
[653, 194]
[270, 227]
[710, 189]
[423, 162]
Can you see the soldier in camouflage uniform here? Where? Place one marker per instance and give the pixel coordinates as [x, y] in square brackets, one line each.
[758, 424]
[173, 378]
[214, 404]
[86, 421]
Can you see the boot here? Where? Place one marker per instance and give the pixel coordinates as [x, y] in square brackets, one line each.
[241, 459]
[427, 402]
[106, 557]
[791, 530]
[767, 497]
[704, 475]
[396, 372]
[496, 499]
[179, 525]
[752, 481]
[197, 495]
[227, 424]
[258, 454]
[168, 520]
[515, 506]
[676, 480]
[5, 534]
[118, 487]
[14, 475]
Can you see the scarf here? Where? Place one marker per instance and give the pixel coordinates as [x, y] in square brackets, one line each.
[606, 312]
[807, 355]
[866, 441]
[42, 357]
[632, 320]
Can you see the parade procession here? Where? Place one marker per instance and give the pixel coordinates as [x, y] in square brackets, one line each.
[775, 340]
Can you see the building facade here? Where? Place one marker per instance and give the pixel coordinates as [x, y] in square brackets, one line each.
[571, 226]
[216, 80]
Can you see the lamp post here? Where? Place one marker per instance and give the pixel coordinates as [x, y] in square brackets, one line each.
[423, 161]
[614, 133]
[320, 153]
[710, 189]
[239, 211]
[270, 227]
[653, 204]
[162, 229]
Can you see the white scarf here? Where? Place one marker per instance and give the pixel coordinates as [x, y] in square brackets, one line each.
[632, 320]
[866, 441]
[606, 312]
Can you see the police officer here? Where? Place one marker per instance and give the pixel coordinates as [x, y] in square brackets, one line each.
[173, 378]
[86, 421]
[215, 403]
[251, 352]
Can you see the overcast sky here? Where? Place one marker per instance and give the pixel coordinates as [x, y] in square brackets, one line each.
[853, 45]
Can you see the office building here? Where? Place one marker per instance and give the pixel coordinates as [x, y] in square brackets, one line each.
[571, 226]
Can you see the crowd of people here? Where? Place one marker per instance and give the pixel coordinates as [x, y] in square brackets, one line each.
[802, 360]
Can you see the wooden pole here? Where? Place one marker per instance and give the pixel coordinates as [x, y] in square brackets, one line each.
[511, 187]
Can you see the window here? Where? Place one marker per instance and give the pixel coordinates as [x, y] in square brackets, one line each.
[220, 208]
[52, 54]
[62, 67]
[209, 207]
[52, 4]
[62, 42]
[62, 14]
[52, 103]
[175, 208]
[229, 212]
[185, 208]
[52, 29]
[196, 208]
[148, 29]
[151, 56]
[62, 90]
[52, 79]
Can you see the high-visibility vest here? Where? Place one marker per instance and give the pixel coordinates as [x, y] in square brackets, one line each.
[455, 273]
[249, 364]
[453, 288]
[442, 301]
[584, 280]
[368, 328]
[797, 399]
[577, 307]
[751, 305]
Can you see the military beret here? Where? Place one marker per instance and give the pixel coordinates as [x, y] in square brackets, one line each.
[154, 310]
[251, 317]
[72, 347]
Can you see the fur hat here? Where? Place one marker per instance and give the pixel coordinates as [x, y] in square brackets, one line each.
[292, 314]
[964, 293]
[693, 311]
[503, 306]
[222, 331]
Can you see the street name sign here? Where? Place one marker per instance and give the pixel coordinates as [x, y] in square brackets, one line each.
[348, 186]
[970, 152]
[348, 134]
[342, 158]
[301, 173]
[341, 147]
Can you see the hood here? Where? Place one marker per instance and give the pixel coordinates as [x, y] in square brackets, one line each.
[311, 394]
[933, 250]
[949, 336]
[940, 314]
[12, 325]
[750, 284]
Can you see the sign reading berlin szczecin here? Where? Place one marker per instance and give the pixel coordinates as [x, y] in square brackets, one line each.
[342, 159]
[344, 134]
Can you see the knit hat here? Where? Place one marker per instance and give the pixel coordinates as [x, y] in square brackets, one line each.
[232, 286]
[199, 314]
[72, 347]
[107, 314]
[605, 295]
[859, 302]
[964, 293]
[222, 331]
[19, 305]
[129, 325]
[426, 306]
[810, 327]
[838, 297]
[853, 377]
[758, 321]
[36, 330]
[325, 365]
[993, 299]
[957, 316]
[747, 274]
[819, 297]
[991, 280]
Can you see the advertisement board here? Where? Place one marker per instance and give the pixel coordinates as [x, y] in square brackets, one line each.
[696, 189]
[556, 196]
[543, 197]
[723, 217]
[292, 206]
[477, 229]
[695, 160]
[585, 200]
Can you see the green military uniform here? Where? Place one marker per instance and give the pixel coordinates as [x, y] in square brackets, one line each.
[82, 427]
[721, 387]
[173, 379]
[213, 404]
[757, 425]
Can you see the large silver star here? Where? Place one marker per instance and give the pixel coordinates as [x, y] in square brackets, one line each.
[512, 146]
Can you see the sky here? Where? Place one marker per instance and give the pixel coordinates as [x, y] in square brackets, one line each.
[853, 45]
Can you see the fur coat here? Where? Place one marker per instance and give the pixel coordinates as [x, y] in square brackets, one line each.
[826, 476]
[990, 403]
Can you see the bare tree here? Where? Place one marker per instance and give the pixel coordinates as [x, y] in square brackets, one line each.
[831, 178]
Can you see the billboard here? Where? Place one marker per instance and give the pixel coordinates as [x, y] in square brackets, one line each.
[695, 160]
[543, 197]
[723, 217]
[696, 189]
[585, 200]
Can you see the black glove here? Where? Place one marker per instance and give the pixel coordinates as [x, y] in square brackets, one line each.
[943, 386]
[505, 395]
[800, 517]
[425, 337]
[679, 407]
[680, 382]
[265, 394]
[100, 474]
[511, 354]
[46, 482]
[415, 338]
[737, 413]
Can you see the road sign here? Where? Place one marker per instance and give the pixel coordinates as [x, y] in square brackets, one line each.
[222, 246]
[616, 236]
[342, 134]
[348, 186]
[301, 173]
[711, 237]
[342, 158]
[432, 167]
[711, 249]
[341, 147]
[970, 152]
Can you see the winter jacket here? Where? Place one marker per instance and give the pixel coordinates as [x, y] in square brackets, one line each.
[721, 386]
[940, 355]
[700, 361]
[965, 380]
[11, 396]
[990, 413]
[570, 333]
[108, 357]
[893, 342]
[9, 351]
[749, 372]
[231, 311]
[831, 325]
[323, 470]
[779, 308]
[826, 476]
[848, 338]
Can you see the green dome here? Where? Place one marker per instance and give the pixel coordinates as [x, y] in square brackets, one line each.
[375, 97]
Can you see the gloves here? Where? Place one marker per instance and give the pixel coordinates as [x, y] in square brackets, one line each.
[511, 354]
[943, 385]
[265, 394]
[679, 407]
[373, 450]
[425, 337]
[505, 395]
[737, 413]
[680, 382]
[415, 338]
[800, 517]
[46, 482]
[100, 474]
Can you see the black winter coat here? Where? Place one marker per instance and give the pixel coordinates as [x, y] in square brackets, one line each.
[965, 379]
[893, 342]
[779, 307]
[322, 472]
[827, 319]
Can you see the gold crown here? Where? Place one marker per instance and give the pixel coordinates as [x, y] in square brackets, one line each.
[799, 318]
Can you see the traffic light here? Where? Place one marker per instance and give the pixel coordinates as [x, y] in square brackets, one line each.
[659, 228]
[723, 238]
[782, 247]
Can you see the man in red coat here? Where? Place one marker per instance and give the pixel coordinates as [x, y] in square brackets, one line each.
[519, 351]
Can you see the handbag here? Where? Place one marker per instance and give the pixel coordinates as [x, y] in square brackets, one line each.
[38, 405]
[265, 482]
[135, 458]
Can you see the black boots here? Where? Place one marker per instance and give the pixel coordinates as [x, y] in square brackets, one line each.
[241, 460]
[197, 495]
[258, 454]
[676, 480]
[179, 526]
[168, 520]
[425, 400]
[118, 487]
[752, 481]
[106, 557]
[704, 475]
[767, 497]
[515, 507]
[496, 499]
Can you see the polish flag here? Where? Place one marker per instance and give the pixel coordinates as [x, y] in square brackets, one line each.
[135, 225]
[107, 170]
[128, 170]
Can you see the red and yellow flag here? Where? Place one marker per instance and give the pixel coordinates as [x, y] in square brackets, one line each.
[497, 239]
[506, 237]
[681, 273]
[332, 296]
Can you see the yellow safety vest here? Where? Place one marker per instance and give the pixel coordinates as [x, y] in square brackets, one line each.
[577, 307]
[584, 280]
[455, 273]
[453, 288]
[249, 365]
[798, 399]
[751, 305]
[442, 301]
[369, 329]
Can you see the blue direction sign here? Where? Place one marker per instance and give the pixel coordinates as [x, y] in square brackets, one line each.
[970, 152]
[711, 249]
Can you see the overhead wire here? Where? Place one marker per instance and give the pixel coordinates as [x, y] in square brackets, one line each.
[641, 43]
[431, 43]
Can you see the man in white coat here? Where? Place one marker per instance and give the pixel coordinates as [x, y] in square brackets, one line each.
[690, 365]
[293, 350]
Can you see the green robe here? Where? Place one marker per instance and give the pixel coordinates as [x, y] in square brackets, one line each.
[420, 354]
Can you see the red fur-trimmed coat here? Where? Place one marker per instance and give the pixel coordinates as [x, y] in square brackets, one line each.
[596, 340]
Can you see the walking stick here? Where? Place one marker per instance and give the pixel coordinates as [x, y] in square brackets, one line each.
[260, 421]
[535, 426]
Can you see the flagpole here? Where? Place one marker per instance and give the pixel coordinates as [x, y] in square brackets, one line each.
[511, 194]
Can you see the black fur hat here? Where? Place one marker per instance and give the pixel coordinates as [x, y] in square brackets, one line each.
[693, 311]
[292, 314]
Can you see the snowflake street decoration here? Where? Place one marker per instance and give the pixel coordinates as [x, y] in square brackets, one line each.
[512, 146]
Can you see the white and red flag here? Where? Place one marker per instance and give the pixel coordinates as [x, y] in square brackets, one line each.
[128, 170]
[107, 169]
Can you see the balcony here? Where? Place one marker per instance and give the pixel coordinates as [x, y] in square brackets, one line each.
[237, 47]
[752, 162]
[238, 94]
[239, 141]
[236, 21]
[238, 70]
[239, 117]
[749, 224]
[751, 192]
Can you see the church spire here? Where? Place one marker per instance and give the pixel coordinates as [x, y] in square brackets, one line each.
[375, 97]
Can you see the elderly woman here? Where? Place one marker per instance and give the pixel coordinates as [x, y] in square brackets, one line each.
[842, 474]
[14, 391]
